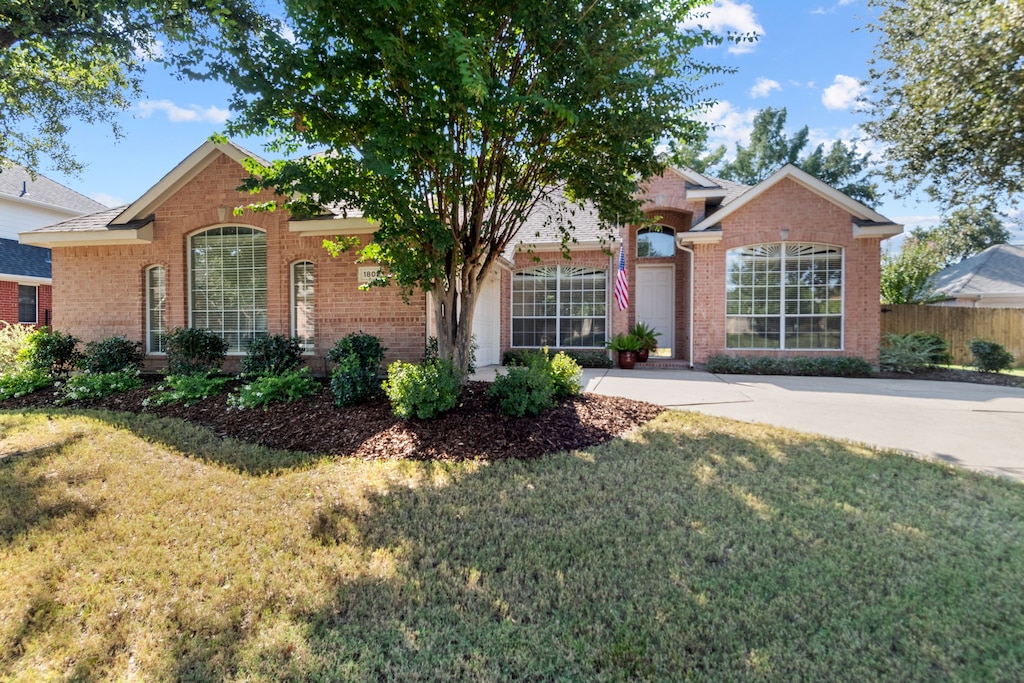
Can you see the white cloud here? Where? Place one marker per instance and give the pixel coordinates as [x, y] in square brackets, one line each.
[192, 113]
[763, 87]
[728, 16]
[843, 92]
[107, 199]
[731, 125]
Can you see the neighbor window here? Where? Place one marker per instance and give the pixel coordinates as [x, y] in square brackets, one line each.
[559, 306]
[655, 242]
[784, 296]
[229, 284]
[302, 304]
[28, 308]
[156, 302]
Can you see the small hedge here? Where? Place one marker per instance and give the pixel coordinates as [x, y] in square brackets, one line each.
[112, 354]
[357, 358]
[55, 353]
[990, 356]
[592, 358]
[274, 354]
[424, 390]
[827, 366]
[524, 390]
[194, 351]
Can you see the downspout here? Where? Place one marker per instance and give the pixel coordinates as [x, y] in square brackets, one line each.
[690, 305]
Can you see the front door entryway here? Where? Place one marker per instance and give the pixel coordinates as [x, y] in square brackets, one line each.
[486, 322]
[656, 303]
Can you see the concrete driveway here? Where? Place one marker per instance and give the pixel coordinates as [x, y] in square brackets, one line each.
[970, 425]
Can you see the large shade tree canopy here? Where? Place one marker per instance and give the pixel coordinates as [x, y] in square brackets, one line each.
[63, 61]
[449, 123]
[947, 79]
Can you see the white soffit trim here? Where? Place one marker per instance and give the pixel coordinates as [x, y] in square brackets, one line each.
[88, 238]
[332, 226]
[876, 231]
[26, 279]
[855, 208]
[179, 176]
[701, 237]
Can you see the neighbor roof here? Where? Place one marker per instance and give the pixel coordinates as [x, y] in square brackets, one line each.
[999, 270]
[18, 184]
[24, 260]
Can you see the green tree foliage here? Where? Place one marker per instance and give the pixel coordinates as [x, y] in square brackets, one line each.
[65, 60]
[907, 274]
[449, 124]
[967, 231]
[841, 165]
[947, 83]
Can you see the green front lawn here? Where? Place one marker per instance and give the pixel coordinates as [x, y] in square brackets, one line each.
[700, 548]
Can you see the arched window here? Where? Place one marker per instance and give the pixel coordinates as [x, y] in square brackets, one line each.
[229, 284]
[303, 320]
[156, 308]
[559, 306]
[784, 296]
[655, 242]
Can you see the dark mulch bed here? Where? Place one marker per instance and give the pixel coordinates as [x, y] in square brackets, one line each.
[971, 376]
[474, 430]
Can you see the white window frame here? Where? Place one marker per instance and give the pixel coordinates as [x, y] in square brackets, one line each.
[307, 348]
[191, 279]
[35, 288]
[558, 317]
[150, 310]
[784, 248]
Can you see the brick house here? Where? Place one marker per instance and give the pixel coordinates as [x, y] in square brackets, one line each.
[27, 202]
[789, 266]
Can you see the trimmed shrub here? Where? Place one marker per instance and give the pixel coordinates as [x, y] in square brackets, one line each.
[826, 366]
[990, 356]
[357, 359]
[55, 353]
[112, 354]
[909, 353]
[592, 358]
[423, 390]
[284, 387]
[194, 351]
[22, 383]
[187, 389]
[524, 390]
[13, 339]
[565, 375]
[99, 384]
[274, 354]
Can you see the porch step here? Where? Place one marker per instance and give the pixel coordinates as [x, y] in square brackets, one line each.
[664, 364]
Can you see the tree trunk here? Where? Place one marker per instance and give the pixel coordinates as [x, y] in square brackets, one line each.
[454, 306]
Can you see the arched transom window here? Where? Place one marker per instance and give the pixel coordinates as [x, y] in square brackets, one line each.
[784, 296]
[655, 242]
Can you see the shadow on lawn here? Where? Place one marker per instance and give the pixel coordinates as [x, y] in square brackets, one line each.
[691, 552]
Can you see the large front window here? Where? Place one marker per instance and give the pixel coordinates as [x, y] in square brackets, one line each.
[784, 296]
[559, 306]
[229, 284]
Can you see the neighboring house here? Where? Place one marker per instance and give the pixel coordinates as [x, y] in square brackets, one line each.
[789, 266]
[992, 279]
[25, 274]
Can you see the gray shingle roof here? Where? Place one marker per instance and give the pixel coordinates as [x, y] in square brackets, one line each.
[997, 270]
[23, 259]
[89, 223]
[16, 182]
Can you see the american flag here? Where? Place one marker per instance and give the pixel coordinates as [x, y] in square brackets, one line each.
[621, 283]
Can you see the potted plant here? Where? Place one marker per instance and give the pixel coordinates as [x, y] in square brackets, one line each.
[648, 337]
[627, 346]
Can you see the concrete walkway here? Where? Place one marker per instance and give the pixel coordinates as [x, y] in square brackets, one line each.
[976, 426]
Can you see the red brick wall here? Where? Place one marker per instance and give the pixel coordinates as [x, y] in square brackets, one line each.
[100, 291]
[809, 218]
[9, 302]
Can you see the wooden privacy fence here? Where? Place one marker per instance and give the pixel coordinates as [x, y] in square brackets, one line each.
[958, 326]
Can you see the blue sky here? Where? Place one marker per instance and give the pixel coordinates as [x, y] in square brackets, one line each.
[810, 58]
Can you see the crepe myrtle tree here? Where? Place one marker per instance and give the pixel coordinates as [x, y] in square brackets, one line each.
[448, 124]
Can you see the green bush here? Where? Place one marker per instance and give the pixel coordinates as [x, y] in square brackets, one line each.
[274, 354]
[285, 387]
[194, 351]
[423, 390]
[524, 390]
[941, 354]
[357, 359]
[592, 358]
[565, 375]
[187, 389]
[112, 354]
[99, 384]
[55, 353]
[909, 353]
[13, 339]
[825, 366]
[23, 382]
[990, 356]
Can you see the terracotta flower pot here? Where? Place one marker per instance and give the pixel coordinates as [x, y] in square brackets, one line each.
[627, 360]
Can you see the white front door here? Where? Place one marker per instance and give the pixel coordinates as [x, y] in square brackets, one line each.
[486, 322]
[656, 304]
